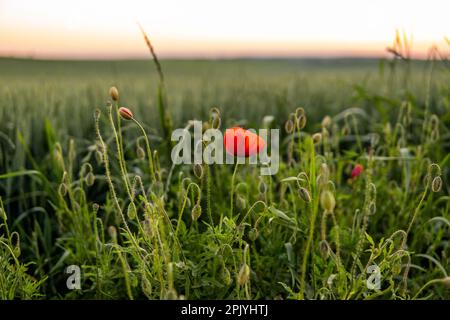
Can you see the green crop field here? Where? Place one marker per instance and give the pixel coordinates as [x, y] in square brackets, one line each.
[361, 193]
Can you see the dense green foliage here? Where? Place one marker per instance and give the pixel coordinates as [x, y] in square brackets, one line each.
[73, 193]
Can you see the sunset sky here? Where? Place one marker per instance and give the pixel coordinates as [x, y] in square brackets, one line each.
[214, 29]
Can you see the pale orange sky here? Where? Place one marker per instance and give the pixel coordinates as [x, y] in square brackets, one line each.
[207, 28]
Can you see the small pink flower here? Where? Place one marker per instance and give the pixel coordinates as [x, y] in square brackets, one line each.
[357, 170]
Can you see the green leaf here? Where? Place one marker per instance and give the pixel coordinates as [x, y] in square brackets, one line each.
[280, 214]
[20, 173]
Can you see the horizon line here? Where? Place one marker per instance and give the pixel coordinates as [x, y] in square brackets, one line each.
[208, 58]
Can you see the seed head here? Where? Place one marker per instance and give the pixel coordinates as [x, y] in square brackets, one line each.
[125, 113]
[114, 93]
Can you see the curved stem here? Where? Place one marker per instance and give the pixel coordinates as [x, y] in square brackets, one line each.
[429, 283]
[232, 188]
[149, 151]
[417, 209]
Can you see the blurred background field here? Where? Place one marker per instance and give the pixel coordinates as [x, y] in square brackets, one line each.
[67, 92]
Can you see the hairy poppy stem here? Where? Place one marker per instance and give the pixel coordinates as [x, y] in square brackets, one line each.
[149, 151]
[232, 188]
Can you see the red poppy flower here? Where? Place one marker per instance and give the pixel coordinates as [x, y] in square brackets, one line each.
[357, 170]
[241, 142]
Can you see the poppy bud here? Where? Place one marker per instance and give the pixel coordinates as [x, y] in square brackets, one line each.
[241, 203]
[436, 185]
[327, 201]
[244, 274]
[215, 111]
[140, 153]
[326, 121]
[225, 276]
[299, 112]
[17, 250]
[324, 249]
[301, 122]
[125, 113]
[253, 234]
[196, 212]
[171, 294]
[3, 214]
[90, 179]
[188, 203]
[146, 287]
[198, 170]
[304, 194]
[396, 268]
[99, 156]
[216, 121]
[147, 227]
[446, 281]
[262, 187]
[346, 130]
[112, 231]
[317, 137]
[372, 207]
[131, 211]
[114, 93]
[205, 126]
[289, 126]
